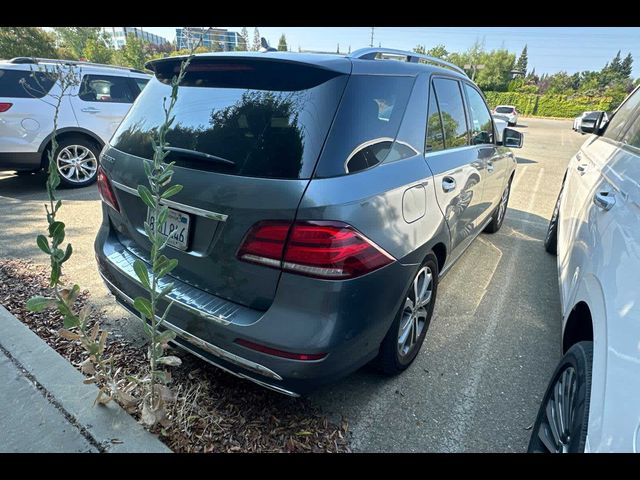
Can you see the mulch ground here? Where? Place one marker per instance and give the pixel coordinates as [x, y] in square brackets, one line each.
[215, 411]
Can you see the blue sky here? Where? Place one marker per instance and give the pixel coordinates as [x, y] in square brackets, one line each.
[550, 49]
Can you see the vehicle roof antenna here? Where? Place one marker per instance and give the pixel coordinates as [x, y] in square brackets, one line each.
[265, 47]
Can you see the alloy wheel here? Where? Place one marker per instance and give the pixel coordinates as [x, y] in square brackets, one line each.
[503, 204]
[77, 163]
[555, 430]
[415, 312]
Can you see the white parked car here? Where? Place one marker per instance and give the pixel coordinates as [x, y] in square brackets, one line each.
[87, 119]
[589, 115]
[509, 113]
[592, 402]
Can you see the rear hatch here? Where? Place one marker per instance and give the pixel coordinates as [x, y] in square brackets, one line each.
[23, 116]
[262, 123]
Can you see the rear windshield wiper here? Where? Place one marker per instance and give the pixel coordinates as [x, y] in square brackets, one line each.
[195, 153]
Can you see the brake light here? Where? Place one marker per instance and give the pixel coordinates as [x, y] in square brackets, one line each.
[279, 353]
[4, 106]
[332, 250]
[106, 191]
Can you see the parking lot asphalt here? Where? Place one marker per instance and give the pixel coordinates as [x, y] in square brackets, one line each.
[493, 342]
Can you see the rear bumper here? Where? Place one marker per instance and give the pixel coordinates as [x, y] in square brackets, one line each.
[347, 320]
[20, 160]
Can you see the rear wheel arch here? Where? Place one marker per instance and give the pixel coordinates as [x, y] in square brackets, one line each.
[579, 326]
[440, 251]
[63, 134]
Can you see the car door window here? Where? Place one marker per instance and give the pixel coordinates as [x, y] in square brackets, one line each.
[141, 83]
[621, 119]
[454, 119]
[435, 134]
[481, 124]
[106, 88]
[632, 136]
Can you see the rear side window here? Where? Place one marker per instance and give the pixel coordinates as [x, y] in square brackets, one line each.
[435, 134]
[366, 125]
[106, 88]
[25, 83]
[141, 83]
[622, 117]
[481, 123]
[454, 120]
[259, 119]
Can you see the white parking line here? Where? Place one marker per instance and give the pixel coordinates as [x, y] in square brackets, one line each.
[462, 413]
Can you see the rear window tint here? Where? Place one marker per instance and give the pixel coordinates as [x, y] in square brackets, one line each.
[25, 83]
[366, 125]
[229, 115]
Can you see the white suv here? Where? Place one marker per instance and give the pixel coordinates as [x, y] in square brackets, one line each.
[87, 119]
[591, 403]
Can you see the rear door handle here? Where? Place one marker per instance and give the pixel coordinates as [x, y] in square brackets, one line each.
[448, 184]
[582, 168]
[90, 110]
[490, 167]
[604, 200]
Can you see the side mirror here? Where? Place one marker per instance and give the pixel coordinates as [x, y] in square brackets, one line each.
[512, 138]
[593, 124]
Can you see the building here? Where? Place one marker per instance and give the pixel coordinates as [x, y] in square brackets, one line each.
[118, 36]
[216, 39]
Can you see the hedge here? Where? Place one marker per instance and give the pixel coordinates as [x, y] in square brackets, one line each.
[548, 105]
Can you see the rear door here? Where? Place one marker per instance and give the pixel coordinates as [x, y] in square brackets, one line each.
[458, 174]
[102, 102]
[249, 133]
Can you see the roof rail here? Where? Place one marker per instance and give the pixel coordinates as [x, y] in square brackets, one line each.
[35, 60]
[413, 57]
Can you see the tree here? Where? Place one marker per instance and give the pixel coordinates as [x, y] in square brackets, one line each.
[419, 49]
[282, 44]
[627, 66]
[521, 64]
[438, 51]
[496, 73]
[75, 39]
[133, 53]
[97, 51]
[560, 83]
[256, 40]
[26, 42]
[616, 64]
[243, 41]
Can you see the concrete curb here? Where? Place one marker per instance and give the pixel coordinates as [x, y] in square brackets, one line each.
[108, 427]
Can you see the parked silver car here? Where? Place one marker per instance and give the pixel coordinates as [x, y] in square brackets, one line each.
[325, 196]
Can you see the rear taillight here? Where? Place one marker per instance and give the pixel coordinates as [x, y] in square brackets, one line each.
[280, 353]
[332, 250]
[5, 106]
[106, 191]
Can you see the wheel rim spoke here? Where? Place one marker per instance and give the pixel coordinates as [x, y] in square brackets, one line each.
[77, 163]
[415, 311]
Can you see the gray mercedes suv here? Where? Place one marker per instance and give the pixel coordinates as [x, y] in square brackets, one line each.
[324, 197]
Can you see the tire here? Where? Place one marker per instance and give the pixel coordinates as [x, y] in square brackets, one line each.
[512, 124]
[395, 354]
[497, 217]
[575, 366]
[551, 238]
[83, 151]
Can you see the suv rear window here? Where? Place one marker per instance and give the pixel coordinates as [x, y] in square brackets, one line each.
[259, 119]
[504, 110]
[25, 83]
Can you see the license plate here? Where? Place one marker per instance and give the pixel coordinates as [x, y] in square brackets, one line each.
[176, 228]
